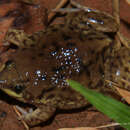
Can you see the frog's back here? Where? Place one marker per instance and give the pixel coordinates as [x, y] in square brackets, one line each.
[59, 56]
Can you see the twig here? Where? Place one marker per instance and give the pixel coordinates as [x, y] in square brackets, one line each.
[19, 115]
[116, 10]
[64, 10]
[123, 39]
[116, 14]
[109, 125]
[60, 5]
[79, 6]
[91, 128]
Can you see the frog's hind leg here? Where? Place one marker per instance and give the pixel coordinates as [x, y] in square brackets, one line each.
[39, 115]
[18, 38]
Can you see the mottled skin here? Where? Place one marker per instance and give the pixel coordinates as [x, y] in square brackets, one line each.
[119, 67]
[37, 71]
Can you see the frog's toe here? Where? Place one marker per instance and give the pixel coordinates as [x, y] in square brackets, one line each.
[37, 116]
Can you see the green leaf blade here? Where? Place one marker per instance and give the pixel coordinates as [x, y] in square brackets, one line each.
[112, 108]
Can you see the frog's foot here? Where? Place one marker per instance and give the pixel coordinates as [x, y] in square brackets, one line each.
[37, 116]
[18, 38]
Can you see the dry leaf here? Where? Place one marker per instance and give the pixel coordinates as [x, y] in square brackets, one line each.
[4, 25]
[128, 1]
[124, 93]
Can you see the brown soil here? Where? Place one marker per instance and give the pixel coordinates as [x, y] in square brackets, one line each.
[13, 13]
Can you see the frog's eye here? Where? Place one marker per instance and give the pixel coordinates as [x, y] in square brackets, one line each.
[18, 88]
[10, 64]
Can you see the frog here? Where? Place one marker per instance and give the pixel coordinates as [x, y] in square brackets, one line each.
[79, 49]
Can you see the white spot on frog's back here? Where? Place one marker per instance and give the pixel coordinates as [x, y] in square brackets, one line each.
[118, 73]
[38, 72]
[26, 74]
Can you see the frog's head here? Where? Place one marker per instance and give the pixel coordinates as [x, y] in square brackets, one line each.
[92, 19]
[10, 81]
